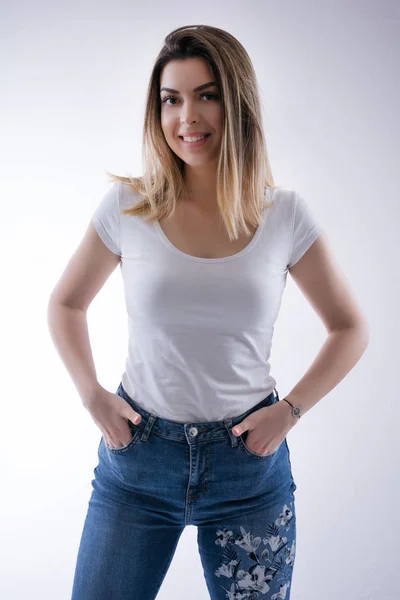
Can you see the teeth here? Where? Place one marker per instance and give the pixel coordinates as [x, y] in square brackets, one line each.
[194, 139]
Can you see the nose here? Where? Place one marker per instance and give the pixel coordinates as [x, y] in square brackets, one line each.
[189, 113]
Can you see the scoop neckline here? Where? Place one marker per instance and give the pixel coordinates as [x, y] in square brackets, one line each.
[242, 252]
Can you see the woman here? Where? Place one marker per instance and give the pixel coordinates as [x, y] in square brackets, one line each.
[204, 241]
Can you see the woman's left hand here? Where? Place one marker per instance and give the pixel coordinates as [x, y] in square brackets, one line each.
[267, 427]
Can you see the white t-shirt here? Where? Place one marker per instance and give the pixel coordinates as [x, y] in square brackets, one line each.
[200, 329]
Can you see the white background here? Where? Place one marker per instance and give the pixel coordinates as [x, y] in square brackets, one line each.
[73, 83]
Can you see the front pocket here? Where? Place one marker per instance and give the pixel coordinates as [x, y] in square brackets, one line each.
[243, 446]
[135, 437]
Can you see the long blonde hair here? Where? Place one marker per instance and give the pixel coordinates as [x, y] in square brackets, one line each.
[243, 172]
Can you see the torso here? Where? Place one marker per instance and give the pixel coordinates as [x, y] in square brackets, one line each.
[202, 236]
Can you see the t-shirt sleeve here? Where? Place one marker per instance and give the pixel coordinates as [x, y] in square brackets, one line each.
[106, 219]
[305, 229]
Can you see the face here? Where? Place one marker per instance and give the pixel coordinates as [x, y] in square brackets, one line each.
[185, 111]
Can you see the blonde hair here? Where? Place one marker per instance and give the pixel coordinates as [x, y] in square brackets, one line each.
[243, 172]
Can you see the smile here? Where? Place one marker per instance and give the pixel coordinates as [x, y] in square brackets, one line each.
[195, 144]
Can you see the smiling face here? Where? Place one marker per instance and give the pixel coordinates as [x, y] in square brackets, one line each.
[186, 111]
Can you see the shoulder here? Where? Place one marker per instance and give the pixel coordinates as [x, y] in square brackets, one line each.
[283, 204]
[128, 197]
[282, 196]
[292, 205]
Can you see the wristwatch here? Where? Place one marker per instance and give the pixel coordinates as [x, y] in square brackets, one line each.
[295, 409]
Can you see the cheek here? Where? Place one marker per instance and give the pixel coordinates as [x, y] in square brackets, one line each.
[216, 120]
[167, 127]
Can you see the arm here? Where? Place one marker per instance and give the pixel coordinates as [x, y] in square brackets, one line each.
[88, 269]
[325, 286]
[69, 332]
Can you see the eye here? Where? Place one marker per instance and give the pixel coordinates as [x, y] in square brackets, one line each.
[213, 96]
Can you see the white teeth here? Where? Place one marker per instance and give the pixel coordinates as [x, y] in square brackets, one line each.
[194, 139]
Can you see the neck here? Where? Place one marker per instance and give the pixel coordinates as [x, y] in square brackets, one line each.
[201, 186]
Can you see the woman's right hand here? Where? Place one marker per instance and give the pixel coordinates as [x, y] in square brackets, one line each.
[111, 413]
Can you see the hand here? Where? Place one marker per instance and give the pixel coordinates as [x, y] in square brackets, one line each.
[111, 413]
[267, 427]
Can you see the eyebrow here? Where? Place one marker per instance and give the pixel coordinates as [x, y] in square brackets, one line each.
[197, 89]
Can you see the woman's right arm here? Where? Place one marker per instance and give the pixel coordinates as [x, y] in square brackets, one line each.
[69, 331]
[85, 274]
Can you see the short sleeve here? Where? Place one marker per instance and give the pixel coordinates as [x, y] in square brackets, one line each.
[305, 229]
[106, 219]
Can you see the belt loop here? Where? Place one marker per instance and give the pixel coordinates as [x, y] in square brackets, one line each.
[233, 438]
[146, 431]
[276, 392]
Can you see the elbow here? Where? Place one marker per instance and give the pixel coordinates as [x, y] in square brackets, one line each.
[363, 329]
[359, 328]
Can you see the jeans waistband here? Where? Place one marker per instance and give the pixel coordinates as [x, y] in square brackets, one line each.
[191, 432]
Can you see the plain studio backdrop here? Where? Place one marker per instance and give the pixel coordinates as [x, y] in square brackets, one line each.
[74, 78]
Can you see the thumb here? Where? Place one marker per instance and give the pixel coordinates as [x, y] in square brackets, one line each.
[241, 427]
[134, 417]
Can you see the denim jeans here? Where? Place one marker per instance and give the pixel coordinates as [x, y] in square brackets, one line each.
[175, 474]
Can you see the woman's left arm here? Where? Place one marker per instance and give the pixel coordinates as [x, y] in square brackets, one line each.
[325, 286]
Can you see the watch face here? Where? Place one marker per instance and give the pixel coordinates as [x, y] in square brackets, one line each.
[296, 411]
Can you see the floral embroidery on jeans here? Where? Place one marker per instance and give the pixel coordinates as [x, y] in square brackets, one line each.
[267, 564]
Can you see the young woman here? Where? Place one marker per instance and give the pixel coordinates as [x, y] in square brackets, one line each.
[204, 241]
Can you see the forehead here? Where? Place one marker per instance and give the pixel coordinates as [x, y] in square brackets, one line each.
[186, 74]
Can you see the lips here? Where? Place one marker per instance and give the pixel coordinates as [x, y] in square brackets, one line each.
[194, 145]
[193, 133]
[197, 135]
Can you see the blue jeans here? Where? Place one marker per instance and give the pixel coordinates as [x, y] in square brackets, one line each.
[175, 474]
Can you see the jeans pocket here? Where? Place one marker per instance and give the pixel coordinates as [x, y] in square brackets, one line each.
[242, 444]
[135, 438]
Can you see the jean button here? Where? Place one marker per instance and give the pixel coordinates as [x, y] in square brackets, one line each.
[193, 431]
